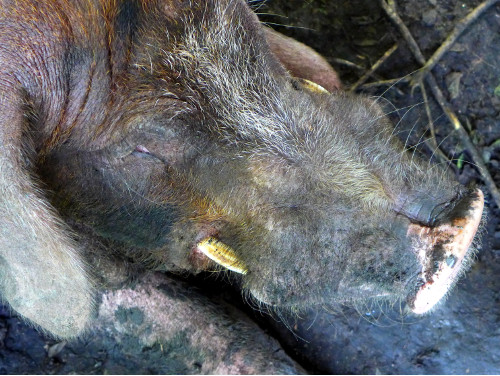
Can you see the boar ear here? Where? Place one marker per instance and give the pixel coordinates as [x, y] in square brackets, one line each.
[42, 275]
[302, 61]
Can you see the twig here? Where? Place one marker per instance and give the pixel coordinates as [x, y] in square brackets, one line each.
[476, 156]
[347, 63]
[390, 82]
[374, 67]
[390, 7]
[380, 81]
[432, 141]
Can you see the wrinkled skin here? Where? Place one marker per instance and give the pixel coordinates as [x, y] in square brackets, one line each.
[158, 125]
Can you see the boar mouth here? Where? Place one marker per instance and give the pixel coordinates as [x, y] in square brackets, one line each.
[444, 251]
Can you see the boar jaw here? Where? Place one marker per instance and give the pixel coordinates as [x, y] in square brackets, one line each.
[443, 250]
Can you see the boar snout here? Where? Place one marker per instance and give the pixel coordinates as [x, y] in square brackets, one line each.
[399, 258]
[444, 250]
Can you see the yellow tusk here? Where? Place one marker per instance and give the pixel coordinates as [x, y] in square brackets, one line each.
[312, 86]
[221, 254]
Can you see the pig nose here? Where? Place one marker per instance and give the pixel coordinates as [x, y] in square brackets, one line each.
[444, 250]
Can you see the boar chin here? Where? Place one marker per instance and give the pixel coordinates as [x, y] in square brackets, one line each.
[444, 251]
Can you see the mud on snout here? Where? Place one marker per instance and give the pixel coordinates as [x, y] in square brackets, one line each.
[444, 250]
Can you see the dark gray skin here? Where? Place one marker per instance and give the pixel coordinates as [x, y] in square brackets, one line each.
[158, 125]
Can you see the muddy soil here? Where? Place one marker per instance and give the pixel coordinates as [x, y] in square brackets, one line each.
[462, 335]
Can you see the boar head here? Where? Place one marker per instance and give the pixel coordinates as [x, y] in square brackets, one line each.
[307, 194]
[194, 147]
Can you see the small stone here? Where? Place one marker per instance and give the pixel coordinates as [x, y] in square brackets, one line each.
[453, 84]
[430, 17]
[55, 349]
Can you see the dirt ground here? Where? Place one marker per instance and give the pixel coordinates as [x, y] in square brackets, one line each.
[461, 336]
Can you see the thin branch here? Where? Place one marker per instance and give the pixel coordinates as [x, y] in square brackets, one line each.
[432, 141]
[374, 67]
[347, 63]
[476, 156]
[389, 82]
[390, 8]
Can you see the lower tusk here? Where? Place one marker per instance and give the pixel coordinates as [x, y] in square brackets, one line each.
[312, 86]
[221, 254]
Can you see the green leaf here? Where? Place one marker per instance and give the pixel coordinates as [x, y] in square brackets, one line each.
[495, 144]
[460, 161]
[497, 91]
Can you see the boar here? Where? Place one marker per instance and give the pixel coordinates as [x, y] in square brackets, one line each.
[187, 136]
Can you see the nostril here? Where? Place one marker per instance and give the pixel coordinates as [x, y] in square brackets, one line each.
[428, 209]
[423, 211]
[439, 211]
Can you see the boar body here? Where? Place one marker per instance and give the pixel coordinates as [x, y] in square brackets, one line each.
[160, 124]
